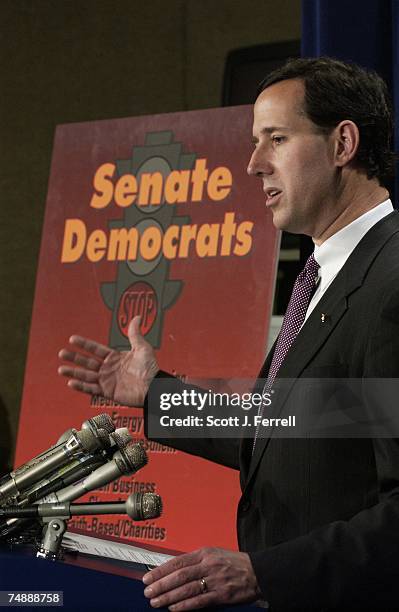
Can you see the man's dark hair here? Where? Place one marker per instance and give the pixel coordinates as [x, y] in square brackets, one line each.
[335, 91]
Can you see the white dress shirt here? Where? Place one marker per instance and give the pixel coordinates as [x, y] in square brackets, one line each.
[333, 253]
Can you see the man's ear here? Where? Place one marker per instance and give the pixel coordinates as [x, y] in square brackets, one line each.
[346, 136]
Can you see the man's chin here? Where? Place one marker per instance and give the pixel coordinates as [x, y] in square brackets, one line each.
[285, 223]
[281, 221]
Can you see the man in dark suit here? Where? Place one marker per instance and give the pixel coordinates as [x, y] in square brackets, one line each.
[318, 521]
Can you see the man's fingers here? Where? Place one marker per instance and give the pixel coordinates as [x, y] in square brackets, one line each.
[187, 597]
[173, 565]
[205, 577]
[174, 580]
[78, 374]
[79, 359]
[90, 346]
[195, 603]
[79, 385]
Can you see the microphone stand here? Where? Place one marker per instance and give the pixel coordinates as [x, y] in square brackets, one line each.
[54, 527]
[54, 517]
[52, 534]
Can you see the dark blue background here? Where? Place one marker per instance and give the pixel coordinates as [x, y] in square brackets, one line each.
[363, 31]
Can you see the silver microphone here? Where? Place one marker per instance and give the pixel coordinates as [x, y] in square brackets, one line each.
[100, 426]
[79, 443]
[138, 506]
[101, 421]
[125, 461]
[121, 437]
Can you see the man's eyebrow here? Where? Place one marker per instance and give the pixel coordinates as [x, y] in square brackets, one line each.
[270, 130]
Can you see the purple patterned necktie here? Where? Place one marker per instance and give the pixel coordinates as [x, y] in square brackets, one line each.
[293, 320]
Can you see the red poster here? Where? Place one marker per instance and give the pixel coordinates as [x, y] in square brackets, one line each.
[154, 216]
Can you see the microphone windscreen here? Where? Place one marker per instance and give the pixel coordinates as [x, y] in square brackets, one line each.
[152, 505]
[134, 456]
[121, 437]
[103, 421]
[143, 506]
[87, 440]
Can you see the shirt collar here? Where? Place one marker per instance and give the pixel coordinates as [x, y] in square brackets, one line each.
[333, 253]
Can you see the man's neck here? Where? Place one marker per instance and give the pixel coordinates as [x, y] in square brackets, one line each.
[353, 204]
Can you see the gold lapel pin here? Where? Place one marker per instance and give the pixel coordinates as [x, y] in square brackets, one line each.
[324, 317]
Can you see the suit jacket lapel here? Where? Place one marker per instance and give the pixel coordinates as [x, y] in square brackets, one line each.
[247, 443]
[315, 331]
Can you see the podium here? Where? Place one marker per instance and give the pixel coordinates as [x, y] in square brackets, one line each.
[91, 587]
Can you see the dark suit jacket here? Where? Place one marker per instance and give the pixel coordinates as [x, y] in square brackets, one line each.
[320, 517]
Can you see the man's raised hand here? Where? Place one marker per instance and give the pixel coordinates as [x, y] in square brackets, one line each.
[123, 377]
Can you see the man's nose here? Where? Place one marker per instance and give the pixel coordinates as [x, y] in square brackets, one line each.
[259, 164]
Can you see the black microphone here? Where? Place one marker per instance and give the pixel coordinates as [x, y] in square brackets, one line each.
[75, 472]
[138, 506]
